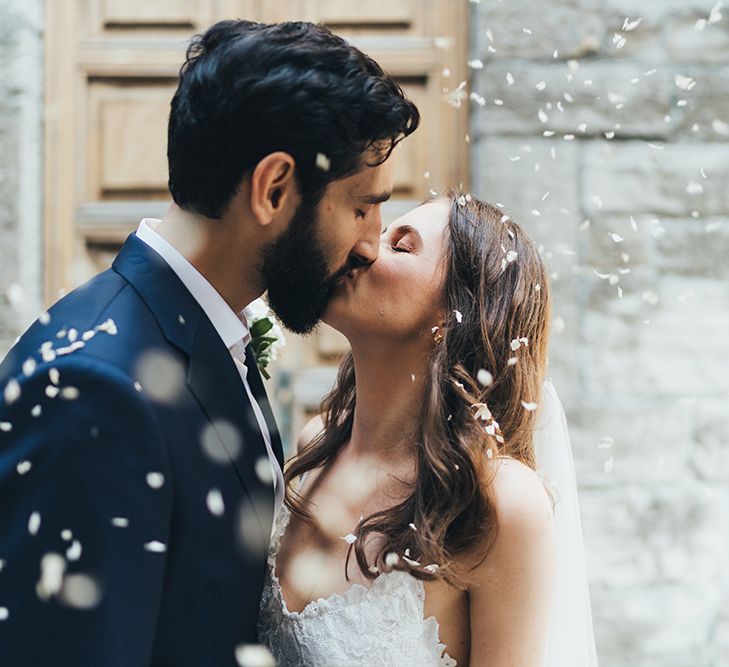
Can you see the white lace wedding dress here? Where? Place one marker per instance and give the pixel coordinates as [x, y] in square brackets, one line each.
[381, 624]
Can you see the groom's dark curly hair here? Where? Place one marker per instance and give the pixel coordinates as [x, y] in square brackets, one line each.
[248, 89]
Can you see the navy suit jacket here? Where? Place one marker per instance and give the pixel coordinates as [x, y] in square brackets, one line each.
[177, 581]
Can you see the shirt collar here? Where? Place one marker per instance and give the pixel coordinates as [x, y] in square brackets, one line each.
[231, 327]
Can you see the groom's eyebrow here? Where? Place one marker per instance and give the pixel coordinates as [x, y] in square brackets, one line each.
[375, 198]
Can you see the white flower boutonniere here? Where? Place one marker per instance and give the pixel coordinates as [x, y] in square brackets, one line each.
[267, 337]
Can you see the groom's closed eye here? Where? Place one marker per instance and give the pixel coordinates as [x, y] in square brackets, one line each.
[374, 199]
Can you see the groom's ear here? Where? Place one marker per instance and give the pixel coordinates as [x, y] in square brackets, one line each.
[273, 186]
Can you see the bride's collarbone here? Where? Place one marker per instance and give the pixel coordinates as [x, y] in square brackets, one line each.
[310, 570]
[312, 560]
[312, 556]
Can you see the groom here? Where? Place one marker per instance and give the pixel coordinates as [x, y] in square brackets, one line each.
[140, 466]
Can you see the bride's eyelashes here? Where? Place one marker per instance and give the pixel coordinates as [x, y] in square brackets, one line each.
[360, 214]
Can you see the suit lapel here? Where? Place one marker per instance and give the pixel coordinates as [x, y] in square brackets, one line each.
[259, 391]
[212, 376]
[214, 380]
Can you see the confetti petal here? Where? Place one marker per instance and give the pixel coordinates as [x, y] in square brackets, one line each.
[12, 391]
[34, 523]
[322, 162]
[215, 503]
[254, 655]
[484, 377]
[155, 479]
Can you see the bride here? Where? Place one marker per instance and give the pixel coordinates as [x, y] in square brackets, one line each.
[431, 515]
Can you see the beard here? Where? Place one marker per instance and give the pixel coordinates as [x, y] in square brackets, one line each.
[297, 275]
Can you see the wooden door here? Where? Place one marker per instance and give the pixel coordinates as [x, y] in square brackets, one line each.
[111, 70]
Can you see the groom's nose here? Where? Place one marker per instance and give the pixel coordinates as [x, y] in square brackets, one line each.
[368, 245]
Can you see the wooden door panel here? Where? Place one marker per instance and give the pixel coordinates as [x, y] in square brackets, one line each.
[144, 12]
[149, 19]
[411, 160]
[374, 16]
[128, 139]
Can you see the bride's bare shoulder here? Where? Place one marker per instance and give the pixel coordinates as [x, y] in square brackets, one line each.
[519, 494]
[310, 430]
[510, 588]
[524, 517]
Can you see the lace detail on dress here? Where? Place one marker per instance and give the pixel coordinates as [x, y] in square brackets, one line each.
[381, 624]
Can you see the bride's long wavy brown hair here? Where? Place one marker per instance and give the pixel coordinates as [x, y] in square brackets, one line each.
[496, 280]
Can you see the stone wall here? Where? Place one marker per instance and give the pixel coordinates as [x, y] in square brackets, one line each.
[608, 137]
[21, 98]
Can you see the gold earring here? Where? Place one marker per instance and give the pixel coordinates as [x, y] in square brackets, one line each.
[437, 335]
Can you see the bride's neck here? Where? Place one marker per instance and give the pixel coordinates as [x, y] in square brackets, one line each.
[390, 383]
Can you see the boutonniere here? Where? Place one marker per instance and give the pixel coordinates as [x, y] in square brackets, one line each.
[267, 337]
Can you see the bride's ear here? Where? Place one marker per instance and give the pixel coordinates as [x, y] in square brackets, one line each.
[273, 187]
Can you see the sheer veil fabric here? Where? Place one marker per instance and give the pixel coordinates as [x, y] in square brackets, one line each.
[571, 637]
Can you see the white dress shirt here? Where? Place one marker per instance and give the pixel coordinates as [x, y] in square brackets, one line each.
[232, 328]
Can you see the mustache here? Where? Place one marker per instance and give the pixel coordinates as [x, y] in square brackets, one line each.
[352, 263]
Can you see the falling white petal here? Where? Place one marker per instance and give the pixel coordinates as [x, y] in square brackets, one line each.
[484, 377]
[215, 503]
[34, 523]
[323, 162]
[155, 479]
[74, 551]
[254, 655]
[12, 391]
[53, 566]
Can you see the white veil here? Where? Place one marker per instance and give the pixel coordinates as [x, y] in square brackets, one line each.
[571, 637]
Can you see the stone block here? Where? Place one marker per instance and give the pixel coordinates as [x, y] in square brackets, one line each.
[669, 341]
[694, 247]
[616, 439]
[662, 22]
[685, 43]
[616, 243]
[656, 534]
[710, 451]
[706, 112]
[582, 98]
[667, 626]
[658, 10]
[573, 27]
[633, 177]
[536, 181]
